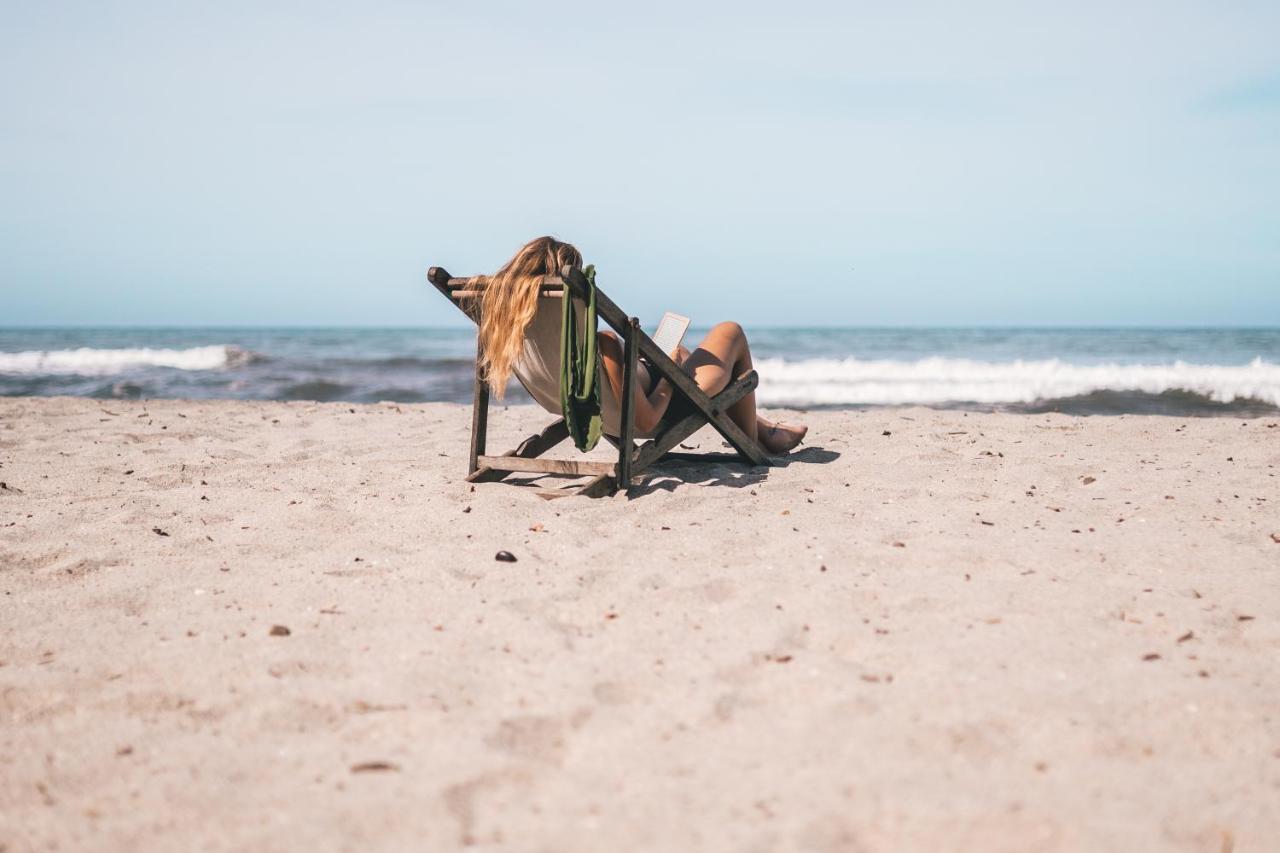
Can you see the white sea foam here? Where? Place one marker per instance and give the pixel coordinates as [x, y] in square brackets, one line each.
[87, 361]
[853, 381]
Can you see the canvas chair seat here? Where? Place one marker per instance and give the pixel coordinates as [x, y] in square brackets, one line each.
[690, 409]
[538, 368]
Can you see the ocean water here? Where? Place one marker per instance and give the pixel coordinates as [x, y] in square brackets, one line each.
[1082, 371]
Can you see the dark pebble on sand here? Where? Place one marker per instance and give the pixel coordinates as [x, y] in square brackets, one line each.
[375, 767]
[505, 557]
[279, 631]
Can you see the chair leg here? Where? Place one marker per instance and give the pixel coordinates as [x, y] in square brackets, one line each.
[660, 444]
[479, 414]
[626, 447]
[658, 447]
[640, 458]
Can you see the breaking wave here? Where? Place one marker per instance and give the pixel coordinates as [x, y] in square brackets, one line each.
[88, 361]
[937, 381]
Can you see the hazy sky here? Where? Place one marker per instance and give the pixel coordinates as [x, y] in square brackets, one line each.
[781, 163]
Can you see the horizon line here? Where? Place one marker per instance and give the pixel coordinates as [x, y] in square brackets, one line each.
[766, 326]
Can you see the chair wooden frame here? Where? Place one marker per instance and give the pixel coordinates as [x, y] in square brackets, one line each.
[606, 477]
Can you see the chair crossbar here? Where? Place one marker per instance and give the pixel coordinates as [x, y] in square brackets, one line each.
[520, 464]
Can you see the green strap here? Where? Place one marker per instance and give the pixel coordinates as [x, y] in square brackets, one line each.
[579, 366]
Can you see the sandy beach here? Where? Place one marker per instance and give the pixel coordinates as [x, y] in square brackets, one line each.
[270, 626]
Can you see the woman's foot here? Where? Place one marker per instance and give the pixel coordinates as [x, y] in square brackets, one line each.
[779, 438]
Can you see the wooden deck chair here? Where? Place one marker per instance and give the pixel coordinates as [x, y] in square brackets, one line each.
[606, 478]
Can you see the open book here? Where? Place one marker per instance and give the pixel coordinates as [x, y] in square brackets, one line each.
[670, 333]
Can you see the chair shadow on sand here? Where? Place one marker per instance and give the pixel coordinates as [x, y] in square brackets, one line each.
[674, 471]
[730, 472]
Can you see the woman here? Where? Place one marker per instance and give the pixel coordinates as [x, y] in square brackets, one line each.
[510, 314]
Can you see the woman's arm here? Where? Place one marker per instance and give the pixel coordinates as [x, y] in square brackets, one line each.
[648, 410]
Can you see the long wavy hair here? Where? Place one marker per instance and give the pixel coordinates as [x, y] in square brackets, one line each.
[509, 301]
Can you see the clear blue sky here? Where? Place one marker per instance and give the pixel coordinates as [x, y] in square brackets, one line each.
[781, 163]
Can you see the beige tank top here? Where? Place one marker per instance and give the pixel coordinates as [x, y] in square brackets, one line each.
[538, 367]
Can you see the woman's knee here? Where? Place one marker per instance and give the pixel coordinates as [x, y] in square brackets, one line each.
[729, 329]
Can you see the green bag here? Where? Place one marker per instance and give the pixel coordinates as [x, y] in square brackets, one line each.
[579, 369]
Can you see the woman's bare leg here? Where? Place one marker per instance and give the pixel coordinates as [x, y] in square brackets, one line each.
[722, 357]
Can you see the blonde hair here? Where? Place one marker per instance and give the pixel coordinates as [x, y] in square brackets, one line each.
[509, 301]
